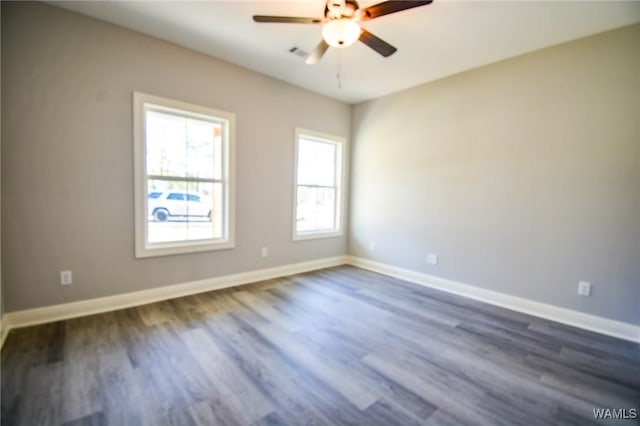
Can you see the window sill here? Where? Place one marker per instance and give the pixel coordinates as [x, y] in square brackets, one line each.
[182, 248]
[317, 235]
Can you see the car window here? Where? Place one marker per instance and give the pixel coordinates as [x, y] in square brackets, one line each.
[175, 196]
[154, 195]
[192, 197]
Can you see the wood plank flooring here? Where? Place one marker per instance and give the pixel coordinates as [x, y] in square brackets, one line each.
[338, 346]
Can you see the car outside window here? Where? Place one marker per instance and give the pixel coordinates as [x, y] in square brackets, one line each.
[174, 196]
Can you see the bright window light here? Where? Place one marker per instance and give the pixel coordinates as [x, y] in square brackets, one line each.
[318, 181]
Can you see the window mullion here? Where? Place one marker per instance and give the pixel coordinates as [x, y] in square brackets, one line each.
[317, 186]
[183, 179]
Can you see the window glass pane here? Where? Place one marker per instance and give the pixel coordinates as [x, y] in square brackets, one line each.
[316, 163]
[203, 152]
[315, 209]
[183, 211]
[182, 146]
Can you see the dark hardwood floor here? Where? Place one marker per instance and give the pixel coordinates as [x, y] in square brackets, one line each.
[337, 346]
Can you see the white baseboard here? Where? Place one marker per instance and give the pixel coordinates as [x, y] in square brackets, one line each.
[110, 303]
[601, 325]
[120, 301]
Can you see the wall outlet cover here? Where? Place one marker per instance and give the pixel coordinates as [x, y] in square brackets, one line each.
[584, 288]
[66, 277]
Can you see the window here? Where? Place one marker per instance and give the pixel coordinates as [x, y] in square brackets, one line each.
[318, 180]
[183, 177]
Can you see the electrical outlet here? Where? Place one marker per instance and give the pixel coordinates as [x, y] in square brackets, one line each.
[66, 278]
[432, 259]
[264, 252]
[584, 288]
[372, 246]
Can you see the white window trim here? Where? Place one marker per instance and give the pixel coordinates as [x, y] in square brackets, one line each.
[142, 249]
[340, 143]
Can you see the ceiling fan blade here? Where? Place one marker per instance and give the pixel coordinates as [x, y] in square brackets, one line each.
[286, 19]
[317, 53]
[388, 7]
[377, 44]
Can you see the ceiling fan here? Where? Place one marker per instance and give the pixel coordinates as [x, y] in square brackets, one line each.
[341, 25]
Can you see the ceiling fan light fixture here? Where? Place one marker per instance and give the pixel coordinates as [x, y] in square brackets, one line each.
[341, 32]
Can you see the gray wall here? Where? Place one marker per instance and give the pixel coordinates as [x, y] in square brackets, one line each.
[1, 291]
[524, 176]
[67, 180]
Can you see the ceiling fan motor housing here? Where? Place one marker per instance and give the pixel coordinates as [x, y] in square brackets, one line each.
[336, 9]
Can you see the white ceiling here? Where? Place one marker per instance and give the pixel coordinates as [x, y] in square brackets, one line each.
[433, 41]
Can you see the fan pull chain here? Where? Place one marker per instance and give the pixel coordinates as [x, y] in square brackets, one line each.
[338, 72]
